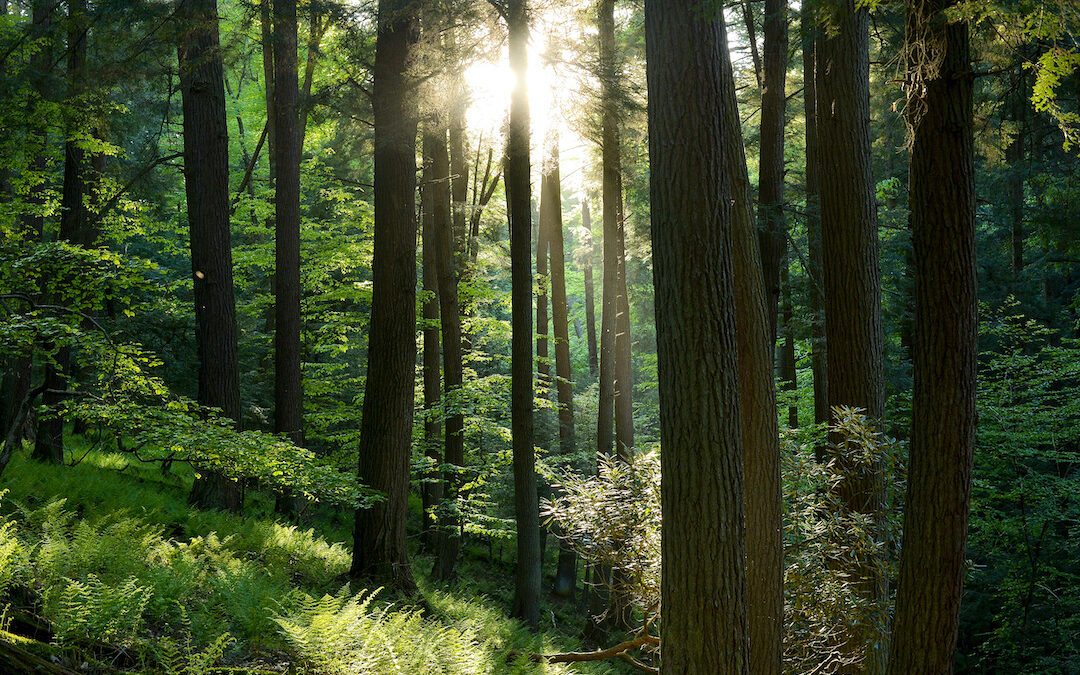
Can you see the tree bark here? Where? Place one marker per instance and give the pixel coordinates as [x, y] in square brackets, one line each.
[268, 85]
[851, 276]
[703, 555]
[757, 401]
[942, 199]
[519, 208]
[590, 294]
[446, 272]
[206, 181]
[551, 210]
[380, 553]
[288, 376]
[813, 224]
[772, 236]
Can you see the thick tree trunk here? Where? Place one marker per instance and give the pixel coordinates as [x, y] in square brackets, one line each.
[519, 208]
[454, 453]
[703, 555]
[431, 491]
[773, 231]
[380, 553]
[813, 224]
[590, 293]
[206, 179]
[942, 198]
[288, 377]
[851, 276]
[757, 399]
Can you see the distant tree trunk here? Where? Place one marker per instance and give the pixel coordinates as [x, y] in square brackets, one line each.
[624, 381]
[772, 235]
[454, 453]
[551, 210]
[268, 85]
[519, 208]
[813, 225]
[459, 168]
[704, 589]
[431, 492]
[942, 198]
[316, 30]
[379, 545]
[206, 180]
[852, 279]
[49, 442]
[788, 375]
[590, 294]
[757, 404]
[611, 195]
[1014, 155]
[288, 377]
[543, 358]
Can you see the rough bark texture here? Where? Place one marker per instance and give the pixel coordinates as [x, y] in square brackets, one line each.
[590, 293]
[813, 223]
[757, 398]
[772, 236]
[288, 378]
[206, 180]
[379, 549]
[703, 554]
[446, 272]
[942, 199]
[851, 275]
[519, 208]
[431, 491]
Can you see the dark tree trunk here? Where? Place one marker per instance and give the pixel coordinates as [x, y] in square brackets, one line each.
[268, 85]
[519, 208]
[543, 357]
[551, 210]
[459, 168]
[431, 492]
[813, 225]
[317, 28]
[590, 294]
[380, 553]
[788, 376]
[942, 199]
[206, 180]
[454, 453]
[757, 404]
[611, 194]
[852, 280]
[704, 589]
[288, 378]
[1014, 155]
[773, 232]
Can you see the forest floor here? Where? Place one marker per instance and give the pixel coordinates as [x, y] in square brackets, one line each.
[104, 568]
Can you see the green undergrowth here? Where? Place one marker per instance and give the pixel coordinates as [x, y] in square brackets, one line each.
[105, 563]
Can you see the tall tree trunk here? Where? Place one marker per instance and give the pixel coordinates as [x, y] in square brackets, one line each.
[551, 211]
[813, 224]
[757, 404]
[379, 544]
[49, 441]
[431, 491]
[788, 374]
[852, 279]
[704, 588]
[543, 358]
[1014, 155]
[611, 194]
[316, 29]
[268, 85]
[590, 294]
[206, 181]
[445, 249]
[773, 232]
[942, 198]
[288, 378]
[519, 208]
